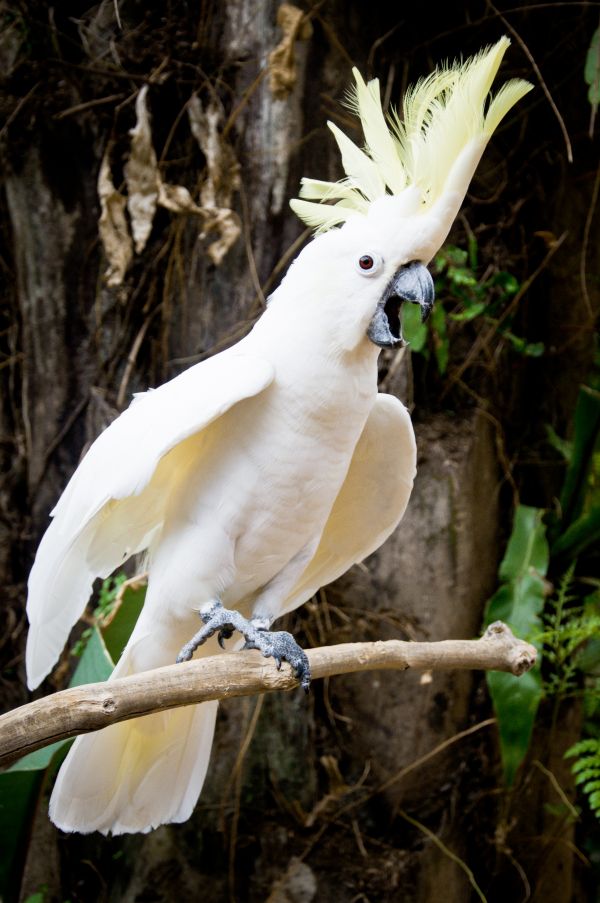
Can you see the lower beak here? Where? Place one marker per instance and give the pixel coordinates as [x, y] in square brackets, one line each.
[412, 283]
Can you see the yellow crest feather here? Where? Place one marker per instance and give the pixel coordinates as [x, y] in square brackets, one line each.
[442, 114]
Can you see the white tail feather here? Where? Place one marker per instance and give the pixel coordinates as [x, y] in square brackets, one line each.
[136, 775]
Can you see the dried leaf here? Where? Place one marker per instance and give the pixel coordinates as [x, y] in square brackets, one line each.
[337, 790]
[177, 199]
[223, 178]
[96, 28]
[282, 60]
[220, 219]
[298, 884]
[141, 175]
[223, 169]
[227, 223]
[146, 191]
[112, 225]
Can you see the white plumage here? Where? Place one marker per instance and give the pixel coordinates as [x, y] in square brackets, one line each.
[261, 474]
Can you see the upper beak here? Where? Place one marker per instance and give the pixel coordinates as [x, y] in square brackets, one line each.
[413, 283]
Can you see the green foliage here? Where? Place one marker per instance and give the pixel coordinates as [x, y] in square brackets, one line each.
[461, 298]
[38, 897]
[569, 629]
[19, 795]
[107, 598]
[579, 525]
[572, 646]
[117, 628]
[591, 72]
[587, 770]
[22, 784]
[519, 602]
[565, 625]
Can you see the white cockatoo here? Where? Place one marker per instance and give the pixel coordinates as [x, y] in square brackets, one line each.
[265, 472]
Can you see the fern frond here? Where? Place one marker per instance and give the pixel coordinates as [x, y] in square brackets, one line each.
[586, 770]
[580, 749]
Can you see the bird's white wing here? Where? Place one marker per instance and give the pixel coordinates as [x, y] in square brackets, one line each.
[112, 505]
[370, 503]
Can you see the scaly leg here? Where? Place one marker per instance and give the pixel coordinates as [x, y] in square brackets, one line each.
[278, 644]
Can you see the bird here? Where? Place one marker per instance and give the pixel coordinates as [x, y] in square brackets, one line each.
[259, 475]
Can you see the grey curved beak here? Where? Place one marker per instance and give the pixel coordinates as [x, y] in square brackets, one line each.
[412, 283]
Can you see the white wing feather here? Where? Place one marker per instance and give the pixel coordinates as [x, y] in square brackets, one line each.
[112, 506]
[371, 502]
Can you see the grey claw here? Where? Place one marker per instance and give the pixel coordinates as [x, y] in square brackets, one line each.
[278, 645]
[224, 634]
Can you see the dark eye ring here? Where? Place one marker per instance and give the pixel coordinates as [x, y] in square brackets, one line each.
[368, 264]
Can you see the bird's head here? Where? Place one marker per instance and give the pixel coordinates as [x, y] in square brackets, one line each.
[378, 228]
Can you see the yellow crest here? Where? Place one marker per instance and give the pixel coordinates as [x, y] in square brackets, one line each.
[435, 147]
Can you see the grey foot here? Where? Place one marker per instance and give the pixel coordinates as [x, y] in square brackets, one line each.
[279, 645]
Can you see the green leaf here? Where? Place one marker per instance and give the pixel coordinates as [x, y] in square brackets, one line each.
[461, 276]
[591, 785]
[519, 602]
[40, 759]
[581, 534]
[470, 312]
[563, 446]
[96, 664]
[591, 72]
[586, 432]
[413, 330]
[506, 281]
[19, 795]
[516, 701]
[117, 632]
[529, 349]
[534, 349]
[590, 745]
[586, 772]
[527, 550]
[450, 255]
[588, 659]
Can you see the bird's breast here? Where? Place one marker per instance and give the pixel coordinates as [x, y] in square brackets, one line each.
[266, 474]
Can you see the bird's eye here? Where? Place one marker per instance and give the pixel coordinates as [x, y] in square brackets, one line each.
[368, 264]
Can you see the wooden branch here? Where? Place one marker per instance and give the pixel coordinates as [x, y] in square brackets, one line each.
[94, 706]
